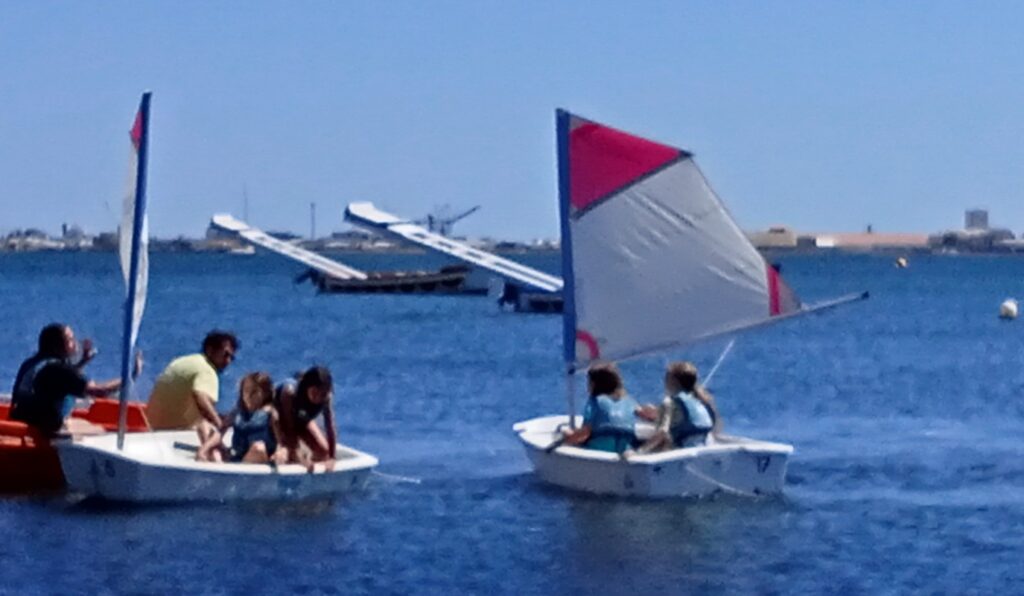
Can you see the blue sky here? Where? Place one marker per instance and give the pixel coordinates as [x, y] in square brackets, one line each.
[825, 116]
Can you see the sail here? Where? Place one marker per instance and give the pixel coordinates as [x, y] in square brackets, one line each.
[127, 230]
[651, 257]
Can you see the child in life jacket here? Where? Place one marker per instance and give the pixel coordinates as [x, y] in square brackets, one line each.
[687, 416]
[254, 421]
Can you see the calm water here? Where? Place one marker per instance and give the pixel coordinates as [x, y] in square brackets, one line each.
[906, 413]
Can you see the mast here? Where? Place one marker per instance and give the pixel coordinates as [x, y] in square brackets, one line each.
[140, 137]
[562, 124]
[312, 221]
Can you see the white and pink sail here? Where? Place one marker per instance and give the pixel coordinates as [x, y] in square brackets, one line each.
[651, 257]
[127, 229]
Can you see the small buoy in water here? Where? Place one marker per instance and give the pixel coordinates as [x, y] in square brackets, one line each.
[902, 262]
[1008, 309]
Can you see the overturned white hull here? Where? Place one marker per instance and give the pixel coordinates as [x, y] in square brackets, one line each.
[160, 467]
[733, 465]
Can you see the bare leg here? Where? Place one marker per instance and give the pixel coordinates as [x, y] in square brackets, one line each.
[659, 442]
[79, 427]
[257, 454]
[209, 443]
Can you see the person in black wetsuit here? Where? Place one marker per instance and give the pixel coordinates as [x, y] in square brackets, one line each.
[298, 406]
[48, 382]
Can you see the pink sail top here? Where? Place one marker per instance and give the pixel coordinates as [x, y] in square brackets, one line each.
[656, 259]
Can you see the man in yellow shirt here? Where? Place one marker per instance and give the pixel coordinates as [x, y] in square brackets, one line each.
[185, 393]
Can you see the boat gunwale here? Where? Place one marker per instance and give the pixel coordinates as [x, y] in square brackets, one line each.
[355, 460]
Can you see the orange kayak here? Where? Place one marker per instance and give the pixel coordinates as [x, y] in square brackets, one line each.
[28, 462]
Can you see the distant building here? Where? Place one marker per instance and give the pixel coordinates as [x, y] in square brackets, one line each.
[74, 238]
[976, 219]
[976, 236]
[863, 241]
[773, 237]
[973, 240]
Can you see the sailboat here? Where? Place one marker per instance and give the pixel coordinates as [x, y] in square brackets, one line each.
[652, 261]
[160, 467]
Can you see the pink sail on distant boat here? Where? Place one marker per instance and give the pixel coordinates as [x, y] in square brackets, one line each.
[652, 260]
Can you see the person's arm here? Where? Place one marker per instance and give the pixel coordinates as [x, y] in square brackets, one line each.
[204, 403]
[286, 420]
[661, 437]
[228, 419]
[578, 436]
[88, 353]
[332, 433]
[101, 388]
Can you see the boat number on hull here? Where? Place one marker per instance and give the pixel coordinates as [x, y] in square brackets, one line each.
[762, 463]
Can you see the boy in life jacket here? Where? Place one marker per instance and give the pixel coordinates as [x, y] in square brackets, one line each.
[687, 416]
[48, 382]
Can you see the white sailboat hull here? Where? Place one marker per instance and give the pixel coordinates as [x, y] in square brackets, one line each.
[733, 465]
[154, 468]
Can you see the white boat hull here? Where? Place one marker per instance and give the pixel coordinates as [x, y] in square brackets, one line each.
[733, 465]
[160, 467]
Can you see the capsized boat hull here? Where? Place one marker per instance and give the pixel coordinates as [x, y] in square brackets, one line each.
[734, 465]
[160, 467]
[448, 280]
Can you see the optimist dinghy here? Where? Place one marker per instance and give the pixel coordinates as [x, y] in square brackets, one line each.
[652, 261]
[159, 467]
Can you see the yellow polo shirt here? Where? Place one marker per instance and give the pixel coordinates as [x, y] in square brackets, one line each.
[171, 405]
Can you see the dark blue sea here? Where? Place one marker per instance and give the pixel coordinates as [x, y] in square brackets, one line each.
[906, 413]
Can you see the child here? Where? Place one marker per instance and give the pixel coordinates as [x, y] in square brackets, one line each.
[687, 416]
[255, 422]
[299, 405]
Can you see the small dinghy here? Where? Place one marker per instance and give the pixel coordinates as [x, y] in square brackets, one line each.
[734, 465]
[652, 261]
[160, 467]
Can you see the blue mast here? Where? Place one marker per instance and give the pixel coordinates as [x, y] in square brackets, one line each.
[563, 121]
[127, 346]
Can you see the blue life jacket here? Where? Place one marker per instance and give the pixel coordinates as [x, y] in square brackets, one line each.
[612, 423]
[249, 428]
[696, 420]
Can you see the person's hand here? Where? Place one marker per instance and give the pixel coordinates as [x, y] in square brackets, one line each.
[88, 352]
